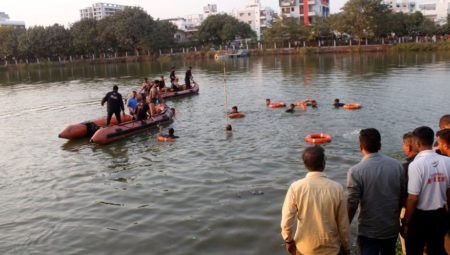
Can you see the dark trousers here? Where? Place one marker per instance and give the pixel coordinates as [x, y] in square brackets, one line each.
[108, 119]
[427, 228]
[188, 83]
[372, 246]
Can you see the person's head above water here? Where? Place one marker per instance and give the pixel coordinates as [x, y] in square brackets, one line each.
[171, 131]
[292, 106]
[267, 101]
[444, 122]
[336, 101]
[115, 88]
[234, 109]
[228, 128]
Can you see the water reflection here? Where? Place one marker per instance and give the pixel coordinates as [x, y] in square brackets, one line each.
[209, 192]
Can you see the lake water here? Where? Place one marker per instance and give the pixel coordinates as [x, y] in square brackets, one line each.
[207, 193]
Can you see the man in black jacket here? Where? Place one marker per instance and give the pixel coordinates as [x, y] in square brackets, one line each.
[114, 104]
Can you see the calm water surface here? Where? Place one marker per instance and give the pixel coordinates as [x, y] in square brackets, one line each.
[207, 193]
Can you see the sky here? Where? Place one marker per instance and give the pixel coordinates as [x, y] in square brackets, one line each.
[65, 12]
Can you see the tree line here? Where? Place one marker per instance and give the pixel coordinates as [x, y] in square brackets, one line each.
[134, 31]
[131, 30]
[360, 20]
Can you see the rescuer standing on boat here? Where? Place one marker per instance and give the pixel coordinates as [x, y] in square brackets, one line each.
[114, 104]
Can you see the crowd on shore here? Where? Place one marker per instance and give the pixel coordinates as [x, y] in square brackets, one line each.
[407, 200]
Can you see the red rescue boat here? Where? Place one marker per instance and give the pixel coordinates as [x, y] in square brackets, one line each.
[114, 133]
[88, 128]
[193, 90]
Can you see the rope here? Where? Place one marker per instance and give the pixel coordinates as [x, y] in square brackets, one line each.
[226, 92]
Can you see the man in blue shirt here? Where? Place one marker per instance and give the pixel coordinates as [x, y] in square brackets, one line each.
[132, 103]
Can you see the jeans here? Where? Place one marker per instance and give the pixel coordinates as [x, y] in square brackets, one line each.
[372, 246]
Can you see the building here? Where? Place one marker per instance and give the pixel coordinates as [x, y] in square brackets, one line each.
[210, 9]
[307, 10]
[6, 22]
[436, 11]
[100, 10]
[405, 6]
[257, 17]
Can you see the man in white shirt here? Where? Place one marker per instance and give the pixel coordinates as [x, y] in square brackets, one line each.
[425, 217]
[317, 205]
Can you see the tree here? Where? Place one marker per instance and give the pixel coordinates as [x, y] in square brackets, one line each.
[9, 38]
[364, 18]
[85, 36]
[129, 27]
[287, 29]
[58, 41]
[222, 28]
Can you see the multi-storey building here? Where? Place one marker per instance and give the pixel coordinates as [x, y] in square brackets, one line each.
[405, 6]
[6, 22]
[257, 17]
[436, 11]
[210, 9]
[306, 10]
[100, 10]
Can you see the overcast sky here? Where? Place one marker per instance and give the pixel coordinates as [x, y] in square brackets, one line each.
[64, 12]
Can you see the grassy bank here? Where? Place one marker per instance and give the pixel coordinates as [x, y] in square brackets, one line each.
[438, 46]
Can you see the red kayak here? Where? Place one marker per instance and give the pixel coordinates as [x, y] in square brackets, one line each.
[114, 133]
[88, 128]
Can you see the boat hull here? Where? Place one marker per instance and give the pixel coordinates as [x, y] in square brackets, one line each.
[194, 90]
[88, 128]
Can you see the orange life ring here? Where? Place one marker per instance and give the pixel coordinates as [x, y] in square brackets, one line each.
[161, 138]
[352, 106]
[236, 115]
[277, 105]
[301, 105]
[318, 138]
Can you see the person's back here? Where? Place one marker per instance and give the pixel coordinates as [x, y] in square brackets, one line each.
[379, 178]
[318, 205]
[113, 101]
[114, 104]
[322, 198]
[375, 185]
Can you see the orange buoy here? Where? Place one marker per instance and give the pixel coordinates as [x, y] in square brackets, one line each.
[352, 106]
[161, 138]
[318, 138]
[301, 105]
[277, 105]
[236, 115]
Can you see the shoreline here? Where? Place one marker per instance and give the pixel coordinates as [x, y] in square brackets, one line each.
[198, 55]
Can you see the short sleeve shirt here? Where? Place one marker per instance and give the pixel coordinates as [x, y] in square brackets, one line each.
[429, 179]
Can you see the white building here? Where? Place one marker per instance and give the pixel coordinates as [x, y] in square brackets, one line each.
[307, 10]
[436, 11]
[6, 22]
[210, 9]
[257, 17]
[100, 10]
[405, 6]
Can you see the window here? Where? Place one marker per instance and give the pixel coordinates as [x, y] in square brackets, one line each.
[249, 14]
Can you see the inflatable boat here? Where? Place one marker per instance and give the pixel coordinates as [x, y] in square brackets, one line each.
[114, 133]
[193, 90]
[88, 128]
